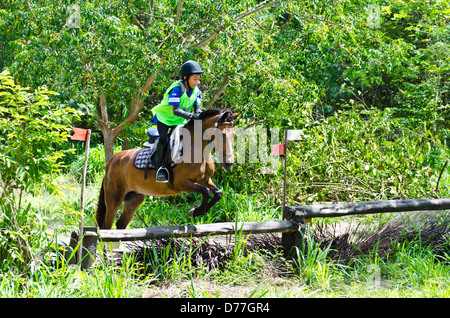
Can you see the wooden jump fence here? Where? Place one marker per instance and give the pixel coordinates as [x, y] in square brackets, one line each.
[291, 227]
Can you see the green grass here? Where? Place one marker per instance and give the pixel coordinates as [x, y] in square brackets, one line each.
[412, 269]
[104, 281]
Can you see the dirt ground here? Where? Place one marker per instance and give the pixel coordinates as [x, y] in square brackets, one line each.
[271, 287]
[275, 281]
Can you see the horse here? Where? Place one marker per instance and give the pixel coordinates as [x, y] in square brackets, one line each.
[124, 184]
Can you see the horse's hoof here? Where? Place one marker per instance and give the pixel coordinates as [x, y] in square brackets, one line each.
[191, 211]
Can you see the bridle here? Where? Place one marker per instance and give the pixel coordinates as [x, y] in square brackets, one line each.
[216, 125]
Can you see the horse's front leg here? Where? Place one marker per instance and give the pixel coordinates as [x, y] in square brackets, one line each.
[207, 202]
[201, 209]
[217, 195]
[191, 186]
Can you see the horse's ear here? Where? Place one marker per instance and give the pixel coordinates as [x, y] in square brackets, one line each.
[236, 115]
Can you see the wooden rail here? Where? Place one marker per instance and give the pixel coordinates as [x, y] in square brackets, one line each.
[91, 235]
[366, 207]
[291, 227]
[299, 213]
[197, 230]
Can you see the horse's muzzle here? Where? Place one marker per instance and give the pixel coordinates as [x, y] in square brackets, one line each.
[228, 161]
[227, 166]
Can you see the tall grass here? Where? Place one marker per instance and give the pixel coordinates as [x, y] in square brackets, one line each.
[170, 262]
[412, 268]
[103, 281]
[417, 266]
[314, 266]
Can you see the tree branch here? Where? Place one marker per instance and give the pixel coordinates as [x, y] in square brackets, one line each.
[138, 101]
[177, 17]
[261, 6]
[219, 91]
[103, 122]
[103, 112]
[29, 8]
[313, 17]
[136, 22]
[151, 6]
[211, 37]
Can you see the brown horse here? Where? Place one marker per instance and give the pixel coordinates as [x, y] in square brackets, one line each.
[124, 183]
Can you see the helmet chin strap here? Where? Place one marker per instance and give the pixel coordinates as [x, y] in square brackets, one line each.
[186, 83]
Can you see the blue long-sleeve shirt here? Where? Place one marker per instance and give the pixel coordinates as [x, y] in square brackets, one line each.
[174, 100]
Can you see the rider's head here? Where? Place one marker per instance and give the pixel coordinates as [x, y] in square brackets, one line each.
[190, 73]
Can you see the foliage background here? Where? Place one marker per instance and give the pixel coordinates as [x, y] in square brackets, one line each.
[373, 99]
[284, 64]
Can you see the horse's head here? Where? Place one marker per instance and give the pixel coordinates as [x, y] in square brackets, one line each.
[216, 133]
[217, 125]
[224, 125]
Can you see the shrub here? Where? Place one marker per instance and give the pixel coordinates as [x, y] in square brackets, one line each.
[32, 129]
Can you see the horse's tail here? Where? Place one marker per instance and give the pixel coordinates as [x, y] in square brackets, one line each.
[101, 207]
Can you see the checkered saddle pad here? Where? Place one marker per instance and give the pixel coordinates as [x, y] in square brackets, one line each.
[145, 155]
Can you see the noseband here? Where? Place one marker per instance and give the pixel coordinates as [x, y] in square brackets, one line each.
[217, 124]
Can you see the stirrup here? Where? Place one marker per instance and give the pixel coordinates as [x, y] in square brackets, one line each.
[162, 175]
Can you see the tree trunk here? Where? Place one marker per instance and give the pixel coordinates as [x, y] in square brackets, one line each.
[109, 132]
[109, 139]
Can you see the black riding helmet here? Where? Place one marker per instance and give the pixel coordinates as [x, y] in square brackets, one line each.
[189, 68]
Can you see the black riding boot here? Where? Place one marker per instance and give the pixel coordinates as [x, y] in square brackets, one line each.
[162, 174]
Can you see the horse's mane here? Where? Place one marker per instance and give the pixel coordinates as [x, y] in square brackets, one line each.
[211, 113]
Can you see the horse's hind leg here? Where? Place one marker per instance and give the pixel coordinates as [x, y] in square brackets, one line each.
[113, 197]
[130, 204]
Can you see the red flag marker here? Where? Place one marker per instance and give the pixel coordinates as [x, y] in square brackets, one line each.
[83, 135]
[79, 134]
[278, 150]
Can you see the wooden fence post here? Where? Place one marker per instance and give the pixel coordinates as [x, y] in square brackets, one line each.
[292, 242]
[89, 246]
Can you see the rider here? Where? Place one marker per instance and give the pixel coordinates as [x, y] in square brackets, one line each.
[181, 101]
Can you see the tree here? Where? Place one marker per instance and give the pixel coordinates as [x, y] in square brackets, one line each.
[282, 63]
[114, 57]
[32, 129]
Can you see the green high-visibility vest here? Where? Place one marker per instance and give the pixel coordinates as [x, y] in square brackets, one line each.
[164, 111]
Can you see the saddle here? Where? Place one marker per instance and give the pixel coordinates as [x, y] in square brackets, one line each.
[173, 155]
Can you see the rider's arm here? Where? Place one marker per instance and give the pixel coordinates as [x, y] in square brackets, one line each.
[174, 101]
[197, 103]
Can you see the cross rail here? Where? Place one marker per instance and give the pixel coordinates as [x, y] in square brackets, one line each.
[366, 207]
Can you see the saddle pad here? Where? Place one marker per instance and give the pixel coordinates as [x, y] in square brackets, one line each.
[176, 145]
[176, 152]
[143, 157]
